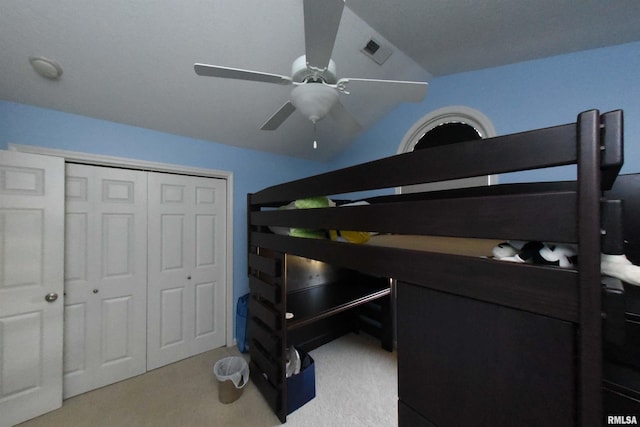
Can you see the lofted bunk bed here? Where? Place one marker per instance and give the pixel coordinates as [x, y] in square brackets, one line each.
[479, 341]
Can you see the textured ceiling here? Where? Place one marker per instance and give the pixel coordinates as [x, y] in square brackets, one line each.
[132, 61]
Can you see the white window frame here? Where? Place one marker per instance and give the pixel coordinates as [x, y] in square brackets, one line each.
[451, 114]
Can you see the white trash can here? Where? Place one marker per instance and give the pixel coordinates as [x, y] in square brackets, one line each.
[232, 374]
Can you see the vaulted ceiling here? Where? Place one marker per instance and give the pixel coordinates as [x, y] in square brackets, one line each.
[132, 61]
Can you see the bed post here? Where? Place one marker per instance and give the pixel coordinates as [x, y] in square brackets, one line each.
[266, 324]
[589, 329]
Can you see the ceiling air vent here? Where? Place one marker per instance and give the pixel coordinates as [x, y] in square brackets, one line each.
[376, 51]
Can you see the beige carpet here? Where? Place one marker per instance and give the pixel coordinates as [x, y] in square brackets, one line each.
[356, 385]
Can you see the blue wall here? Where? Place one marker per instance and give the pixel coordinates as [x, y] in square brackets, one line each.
[525, 96]
[516, 97]
[252, 170]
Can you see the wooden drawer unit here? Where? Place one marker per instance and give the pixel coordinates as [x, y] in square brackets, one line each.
[464, 362]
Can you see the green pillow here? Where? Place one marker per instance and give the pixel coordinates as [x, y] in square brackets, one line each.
[307, 233]
[309, 203]
[312, 202]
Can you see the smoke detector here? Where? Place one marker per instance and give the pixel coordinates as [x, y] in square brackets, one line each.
[47, 68]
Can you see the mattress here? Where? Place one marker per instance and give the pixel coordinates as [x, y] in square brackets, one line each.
[448, 245]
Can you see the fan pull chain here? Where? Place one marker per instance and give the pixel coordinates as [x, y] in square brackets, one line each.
[315, 142]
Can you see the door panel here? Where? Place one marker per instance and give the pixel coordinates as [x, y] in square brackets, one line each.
[118, 248]
[105, 265]
[187, 276]
[171, 315]
[31, 266]
[171, 242]
[21, 346]
[116, 321]
[205, 240]
[75, 317]
[209, 274]
[205, 299]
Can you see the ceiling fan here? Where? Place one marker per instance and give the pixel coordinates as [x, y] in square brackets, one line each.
[314, 75]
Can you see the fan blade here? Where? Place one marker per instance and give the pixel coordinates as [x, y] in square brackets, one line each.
[279, 117]
[393, 89]
[344, 118]
[237, 73]
[321, 22]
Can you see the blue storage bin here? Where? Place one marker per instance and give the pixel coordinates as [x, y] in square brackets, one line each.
[242, 314]
[301, 387]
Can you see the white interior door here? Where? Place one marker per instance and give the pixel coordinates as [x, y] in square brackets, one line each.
[187, 274]
[31, 285]
[105, 276]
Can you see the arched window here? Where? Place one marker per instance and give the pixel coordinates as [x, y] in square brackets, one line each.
[447, 133]
[447, 125]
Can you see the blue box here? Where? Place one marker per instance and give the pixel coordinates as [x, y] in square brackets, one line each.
[301, 388]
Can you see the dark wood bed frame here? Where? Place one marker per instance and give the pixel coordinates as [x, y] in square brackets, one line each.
[480, 342]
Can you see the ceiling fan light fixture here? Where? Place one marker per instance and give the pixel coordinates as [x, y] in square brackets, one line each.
[314, 100]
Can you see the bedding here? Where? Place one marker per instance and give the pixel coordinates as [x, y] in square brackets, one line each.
[321, 202]
[307, 203]
[566, 256]
[539, 253]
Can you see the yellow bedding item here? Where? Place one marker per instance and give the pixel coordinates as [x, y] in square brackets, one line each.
[350, 236]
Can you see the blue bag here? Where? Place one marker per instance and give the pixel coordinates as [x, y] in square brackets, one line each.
[242, 314]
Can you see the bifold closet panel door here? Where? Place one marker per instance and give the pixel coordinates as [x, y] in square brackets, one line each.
[31, 285]
[105, 276]
[187, 275]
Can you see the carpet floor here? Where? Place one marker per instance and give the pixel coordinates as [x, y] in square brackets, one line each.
[356, 385]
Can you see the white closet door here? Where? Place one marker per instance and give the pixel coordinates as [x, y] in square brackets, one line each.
[187, 275]
[31, 285]
[105, 276]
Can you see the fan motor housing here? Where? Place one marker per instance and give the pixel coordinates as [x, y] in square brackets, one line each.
[301, 72]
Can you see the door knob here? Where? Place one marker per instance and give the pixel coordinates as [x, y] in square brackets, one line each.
[51, 297]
